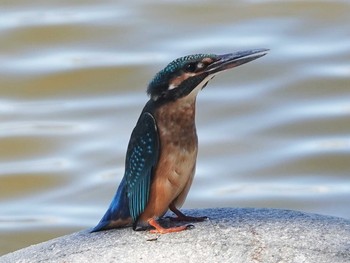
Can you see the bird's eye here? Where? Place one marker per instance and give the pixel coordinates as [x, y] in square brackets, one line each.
[191, 67]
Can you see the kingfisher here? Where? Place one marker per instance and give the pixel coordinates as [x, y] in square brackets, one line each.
[162, 152]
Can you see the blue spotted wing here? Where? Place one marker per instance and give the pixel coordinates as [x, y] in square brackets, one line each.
[141, 158]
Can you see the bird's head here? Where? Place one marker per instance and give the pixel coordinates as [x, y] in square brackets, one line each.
[190, 74]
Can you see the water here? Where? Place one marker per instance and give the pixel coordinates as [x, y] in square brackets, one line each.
[273, 133]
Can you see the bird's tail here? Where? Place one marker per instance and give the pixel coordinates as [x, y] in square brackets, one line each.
[118, 214]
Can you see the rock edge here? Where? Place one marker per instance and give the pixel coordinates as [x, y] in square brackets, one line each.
[230, 235]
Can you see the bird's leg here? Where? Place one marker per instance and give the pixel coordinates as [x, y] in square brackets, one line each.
[161, 230]
[182, 217]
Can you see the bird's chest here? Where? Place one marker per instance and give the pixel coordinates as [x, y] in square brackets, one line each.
[178, 141]
[176, 127]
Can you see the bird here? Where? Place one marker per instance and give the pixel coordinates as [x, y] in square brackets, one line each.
[161, 156]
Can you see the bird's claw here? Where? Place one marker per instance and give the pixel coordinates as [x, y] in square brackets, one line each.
[189, 227]
[187, 218]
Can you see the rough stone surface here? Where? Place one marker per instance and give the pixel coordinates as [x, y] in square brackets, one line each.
[230, 235]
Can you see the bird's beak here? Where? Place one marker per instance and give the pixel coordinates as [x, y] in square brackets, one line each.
[232, 60]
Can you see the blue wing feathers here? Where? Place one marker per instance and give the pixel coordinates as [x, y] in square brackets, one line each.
[118, 209]
[132, 195]
[142, 157]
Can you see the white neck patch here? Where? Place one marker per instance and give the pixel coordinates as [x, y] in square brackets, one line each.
[172, 86]
[200, 86]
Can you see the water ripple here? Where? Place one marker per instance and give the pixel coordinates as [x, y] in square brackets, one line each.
[11, 19]
[57, 61]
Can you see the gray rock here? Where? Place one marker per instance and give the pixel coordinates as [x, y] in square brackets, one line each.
[230, 235]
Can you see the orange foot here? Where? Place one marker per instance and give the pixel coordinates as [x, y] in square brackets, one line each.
[161, 230]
